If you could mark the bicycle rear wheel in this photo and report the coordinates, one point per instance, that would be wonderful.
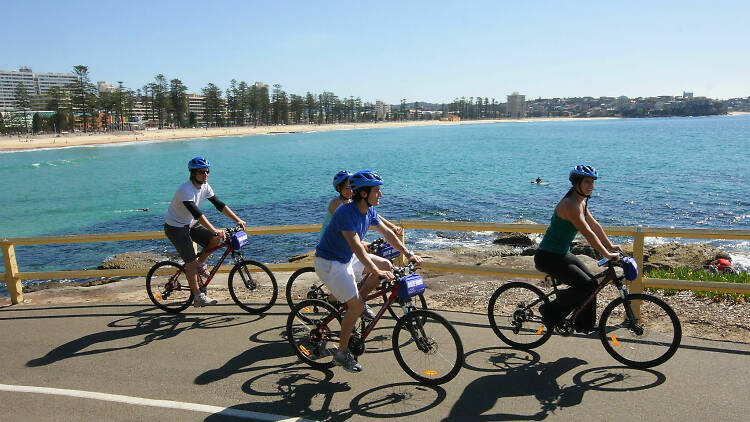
(514, 315)
(168, 288)
(305, 284)
(648, 342)
(312, 340)
(252, 286)
(427, 347)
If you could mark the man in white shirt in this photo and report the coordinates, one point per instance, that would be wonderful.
(185, 224)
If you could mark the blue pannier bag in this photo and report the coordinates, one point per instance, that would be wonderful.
(386, 251)
(411, 285)
(238, 240)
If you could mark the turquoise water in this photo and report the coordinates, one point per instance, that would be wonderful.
(681, 172)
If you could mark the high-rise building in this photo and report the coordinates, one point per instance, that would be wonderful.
(516, 106)
(382, 110)
(37, 85)
(196, 104)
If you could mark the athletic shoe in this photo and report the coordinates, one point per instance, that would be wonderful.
(324, 350)
(203, 270)
(203, 300)
(368, 313)
(347, 361)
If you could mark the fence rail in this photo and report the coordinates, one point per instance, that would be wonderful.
(13, 276)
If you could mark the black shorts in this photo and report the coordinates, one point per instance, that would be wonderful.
(183, 237)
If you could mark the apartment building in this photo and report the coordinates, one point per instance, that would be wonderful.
(516, 106)
(37, 85)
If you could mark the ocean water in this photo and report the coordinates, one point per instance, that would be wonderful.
(672, 172)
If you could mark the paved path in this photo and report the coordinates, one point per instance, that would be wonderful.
(131, 362)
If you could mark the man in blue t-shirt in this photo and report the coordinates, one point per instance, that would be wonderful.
(342, 261)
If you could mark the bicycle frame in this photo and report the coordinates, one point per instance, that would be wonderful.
(608, 275)
(225, 244)
(378, 293)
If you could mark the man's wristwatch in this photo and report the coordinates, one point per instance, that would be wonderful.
(408, 254)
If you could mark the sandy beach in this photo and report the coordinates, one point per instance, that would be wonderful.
(17, 143)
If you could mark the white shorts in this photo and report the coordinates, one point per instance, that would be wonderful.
(341, 279)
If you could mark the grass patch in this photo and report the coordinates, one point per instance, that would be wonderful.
(688, 274)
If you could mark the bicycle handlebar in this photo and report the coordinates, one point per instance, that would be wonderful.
(605, 261)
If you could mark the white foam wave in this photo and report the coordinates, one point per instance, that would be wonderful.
(741, 261)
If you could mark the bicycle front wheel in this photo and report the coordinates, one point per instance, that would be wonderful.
(427, 347)
(168, 288)
(313, 340)
(305, 284)
(646, 342)
(514, 315)
(252, 286)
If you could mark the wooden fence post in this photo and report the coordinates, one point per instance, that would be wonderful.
(637, 285)
(12, 282)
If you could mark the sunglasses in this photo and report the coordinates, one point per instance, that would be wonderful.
(206, 171)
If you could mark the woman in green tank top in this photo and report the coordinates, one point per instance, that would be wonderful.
(571, 215)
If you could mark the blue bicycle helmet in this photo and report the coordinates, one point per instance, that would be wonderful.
(630, 268)
(198, 163)
(364, 178)
(340, 177)
(583, 170)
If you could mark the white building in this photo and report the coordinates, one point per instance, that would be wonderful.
(382, 110)
(37, 85)
(516, 106)
(197, 104)
(103, 86)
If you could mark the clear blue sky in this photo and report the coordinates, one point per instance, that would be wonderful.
(418, 50)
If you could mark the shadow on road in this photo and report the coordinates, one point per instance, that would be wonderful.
(142, 327)
(521, 374)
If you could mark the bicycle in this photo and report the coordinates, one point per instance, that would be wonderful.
(638, 342)
(318, 290)
(168, 289)
(425, 344)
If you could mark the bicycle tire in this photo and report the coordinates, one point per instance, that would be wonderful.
(513, 320)
(427, 347)
(418, 302)
(655, 345)
(250, 291)
(310, 339)
(299, 275)
(161, 294)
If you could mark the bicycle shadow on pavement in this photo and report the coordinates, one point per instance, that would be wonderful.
(522, 376)
(145, 327)
(308, 393)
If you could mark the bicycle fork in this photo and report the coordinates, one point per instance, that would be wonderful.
(416, 329)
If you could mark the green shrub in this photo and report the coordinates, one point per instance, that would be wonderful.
(688, 274)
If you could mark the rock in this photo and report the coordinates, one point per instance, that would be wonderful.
(517, 239)
(455, 235)
(676, 255)
(131, 260)
(582, 247)
(304, 257)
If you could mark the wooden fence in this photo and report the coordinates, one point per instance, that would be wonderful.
(13, 276)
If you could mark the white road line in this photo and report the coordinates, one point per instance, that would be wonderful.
(148, 402)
